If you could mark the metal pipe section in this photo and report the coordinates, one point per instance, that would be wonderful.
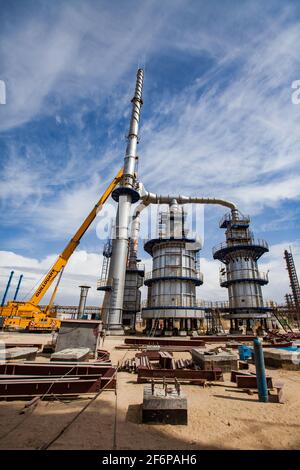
(151, 198)
(82, 300)
(135, 233)
(18, 287)
(260, 371)
(7, 288)
(125, 195)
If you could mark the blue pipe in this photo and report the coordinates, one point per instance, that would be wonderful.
(18, 287)
(260, 371)
(7, 287)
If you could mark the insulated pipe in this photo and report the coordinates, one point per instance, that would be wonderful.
(151, 198)
(260, 371)
(135, 232)
(125, 195)
(7, 288)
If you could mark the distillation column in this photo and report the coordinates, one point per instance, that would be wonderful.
(241, 276)
(171, 301)
(126, 195)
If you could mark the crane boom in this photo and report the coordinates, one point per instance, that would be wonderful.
(73, 243)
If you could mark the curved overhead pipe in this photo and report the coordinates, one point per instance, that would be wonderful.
(152, 198)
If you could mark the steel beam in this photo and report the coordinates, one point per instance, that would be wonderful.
(45, 369)
(250, 381)
(21, 388)
(213, 375)
(165, 342)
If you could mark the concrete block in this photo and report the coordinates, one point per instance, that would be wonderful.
(226, 361)
(275, 357)
(159, 407)
(12, 354)
(78, 334)
(71, 354)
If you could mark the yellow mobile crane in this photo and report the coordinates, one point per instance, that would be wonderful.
(29, 316)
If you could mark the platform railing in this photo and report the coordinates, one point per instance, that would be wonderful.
(108, 282)
(228, 218)
(241, 274)
(250, 242)
(176, 272)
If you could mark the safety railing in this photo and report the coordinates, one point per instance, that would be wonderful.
(101, 283)
(249, 242)
(228, 218)
(187, 273)
(181, 301)
(213, 305)
(241, 274)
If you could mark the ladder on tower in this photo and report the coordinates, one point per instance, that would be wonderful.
(154, 327)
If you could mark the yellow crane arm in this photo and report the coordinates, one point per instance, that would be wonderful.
(73, 243)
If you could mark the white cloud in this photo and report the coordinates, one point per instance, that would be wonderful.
(82, 268)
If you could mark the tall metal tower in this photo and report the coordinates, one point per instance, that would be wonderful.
(125, 195)
(171, 299)
(241, 276)
(294, 282)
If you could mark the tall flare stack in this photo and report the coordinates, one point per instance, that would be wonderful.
(126, 194)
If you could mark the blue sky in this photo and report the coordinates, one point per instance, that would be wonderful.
(217, 121)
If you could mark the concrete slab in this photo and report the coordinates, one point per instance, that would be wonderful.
(71, 354)
(282, 359)
(13, 354)
(206, 360)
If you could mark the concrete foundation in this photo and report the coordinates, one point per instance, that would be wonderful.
(206, 360)
(282, 359)
(164, 405)
(78, 334)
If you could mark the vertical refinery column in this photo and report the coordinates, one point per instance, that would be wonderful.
(241, 275)
(171, 299)
(125, 195)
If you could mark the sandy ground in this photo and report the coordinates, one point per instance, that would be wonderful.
(219, 417)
